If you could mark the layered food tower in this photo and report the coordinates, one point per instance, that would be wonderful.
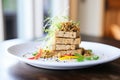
(67, 40)
(63, 42)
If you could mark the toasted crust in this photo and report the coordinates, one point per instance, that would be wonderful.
(72, 52)
(67, 41)
(64, 47)
(67, 34)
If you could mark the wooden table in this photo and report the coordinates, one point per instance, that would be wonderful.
(13, 69)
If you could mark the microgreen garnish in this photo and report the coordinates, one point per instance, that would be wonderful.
(95, 57)
(90, 50)
(34, 53)
(82, 57)
(88, 58)
(54, 24)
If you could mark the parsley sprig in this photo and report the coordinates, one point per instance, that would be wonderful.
(83, 58)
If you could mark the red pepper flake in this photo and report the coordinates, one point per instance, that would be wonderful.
(68, 54)
(39, 54)
(31, 58)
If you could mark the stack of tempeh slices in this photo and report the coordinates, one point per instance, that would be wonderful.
(67, 41)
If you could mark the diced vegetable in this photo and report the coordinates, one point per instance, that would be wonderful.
(38, 55)
(31, 58)
(68, 57)
(80, 57)
(77, 56)
(88, 58)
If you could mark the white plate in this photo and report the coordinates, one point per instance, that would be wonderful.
(106, 53)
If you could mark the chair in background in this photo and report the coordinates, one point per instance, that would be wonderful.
(115, 31)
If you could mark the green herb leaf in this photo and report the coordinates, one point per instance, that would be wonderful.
(80, 59)
(77, 54)
(88, 58)
(90, 50)
(95, 57)
(34, 53)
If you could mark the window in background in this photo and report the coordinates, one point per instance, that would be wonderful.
(10, 17)
(16, 11)
(24, 19)
(1, 23)
(29, 19)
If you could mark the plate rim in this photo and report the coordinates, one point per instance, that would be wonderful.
(72, 64)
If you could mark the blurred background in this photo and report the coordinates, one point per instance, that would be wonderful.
(24, 19)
